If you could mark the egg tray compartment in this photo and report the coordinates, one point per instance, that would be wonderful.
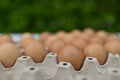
(26, 69)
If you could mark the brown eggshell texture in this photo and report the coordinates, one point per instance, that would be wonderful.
(113, 46)
(72, 55)
(36, 50)
(96, 50)
(9, 54)
(57, 46)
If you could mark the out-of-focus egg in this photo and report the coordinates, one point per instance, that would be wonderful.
(49, 40)
(80, 43)
(60, 34)
(96, 39)
(25, 42)
(8, 54)
(113, 37)
(25, 39)
(102, 34)
(26, 35)
(72, 55)
(44, 36)
(112, 46)
(5, 38)
(96, 50)
(76, 33)
(89, 32)
(68, 38)
(85, 37)
(36, 50)
(57, 45)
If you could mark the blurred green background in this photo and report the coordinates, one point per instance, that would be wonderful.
(54, 15)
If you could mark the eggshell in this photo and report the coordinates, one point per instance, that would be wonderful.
(26, 42)
(44, 36)
(102, 34)
(26, 35)
(68, 38)
(96, 39)
(49, 40)
(76, 33)
(89, 32)
(57, 45)
(8, 54)
(96, 50)
(85, 37)
(72, 55)
(113, 37)
(80, 43)
(112, 46)
(36, 50)
(60, 34)
(5, 39)
(25, 39)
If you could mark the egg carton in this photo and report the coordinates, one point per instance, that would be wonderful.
(26, 69)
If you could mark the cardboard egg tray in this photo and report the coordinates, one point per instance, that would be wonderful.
(49, 69)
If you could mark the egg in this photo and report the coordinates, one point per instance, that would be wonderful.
(113, 37)
(36, 50)
(68, 38)
(5, 38)
(57, 45)
(25, 39)
(76, 33)
(8, 54)
(49, 40)
(96, 50)
(97, 40)
(60, 34)
(26, 35)
(112, 46)
(102, 34)
(44, 36)
(80, 43)
(85, 37)
(72, 55)
(89, 32)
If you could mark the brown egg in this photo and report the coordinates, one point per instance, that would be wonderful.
(96, 50)
(44, 36)
(68, 38)
(76, 33)
(26, 35)
(57, 45)
(26, 42)
(85, 37)
(112, 46)
(80, 43)
(8, 54)
(102, 34)
(49, 40)
(25, 39)
(113, 37)
(36, 50)
(96, 39)
(5, 39)
(60, 34)
(72, 55)
(89, 32)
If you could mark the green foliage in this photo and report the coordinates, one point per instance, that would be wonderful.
(54, 15)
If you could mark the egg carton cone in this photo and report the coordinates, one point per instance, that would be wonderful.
(26, 69)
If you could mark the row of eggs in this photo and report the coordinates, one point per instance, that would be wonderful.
(71, 47)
